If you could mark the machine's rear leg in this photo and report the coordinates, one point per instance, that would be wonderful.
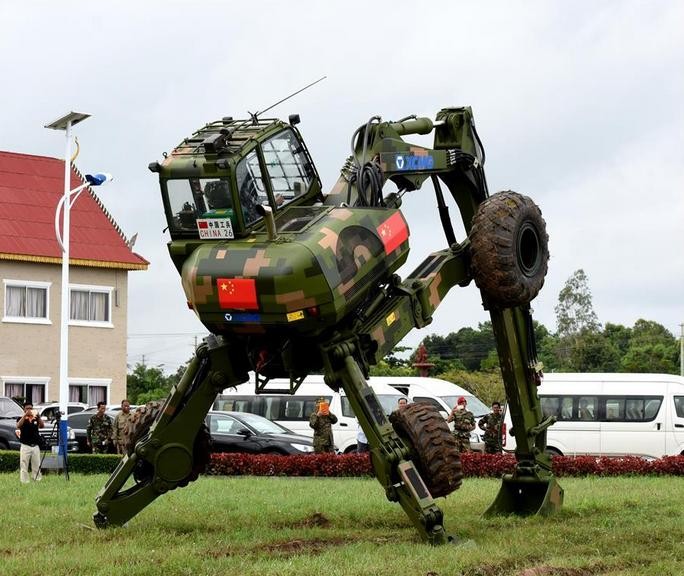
(176, 449)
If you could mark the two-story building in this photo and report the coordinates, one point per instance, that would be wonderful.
(30, 294)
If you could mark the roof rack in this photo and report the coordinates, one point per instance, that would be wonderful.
(225, 135)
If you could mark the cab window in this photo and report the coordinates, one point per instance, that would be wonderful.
(287, 165)
(207, 199)
(250, 185)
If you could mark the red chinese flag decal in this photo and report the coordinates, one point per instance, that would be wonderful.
(393, 232)
(237, 293)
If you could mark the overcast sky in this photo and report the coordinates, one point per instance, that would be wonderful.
(580, 105)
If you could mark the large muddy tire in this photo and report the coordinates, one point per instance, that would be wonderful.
(509, 249)
(139, 425)
(433, 447)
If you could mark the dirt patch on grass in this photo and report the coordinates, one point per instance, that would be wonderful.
(289, 548)
(308, 547)
(543, 570)
(555, 571)
(316, 520)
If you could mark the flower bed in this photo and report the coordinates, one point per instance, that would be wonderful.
(474, 465)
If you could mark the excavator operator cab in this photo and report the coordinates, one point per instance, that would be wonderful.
(212, 190)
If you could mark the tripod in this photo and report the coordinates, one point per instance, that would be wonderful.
(55, 435)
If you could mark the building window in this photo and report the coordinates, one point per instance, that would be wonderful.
(26, 302)
(89, 392)
(25, 389)
(91, 305)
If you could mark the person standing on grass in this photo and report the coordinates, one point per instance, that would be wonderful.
(121, 420)
(321, 421)
(29, 437)
(464, 424)
(99, 430)
(491, 424)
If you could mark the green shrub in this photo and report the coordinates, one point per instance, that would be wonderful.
(9, 460)
(78, 463)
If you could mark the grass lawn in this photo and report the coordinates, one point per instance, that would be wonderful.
(327, 526)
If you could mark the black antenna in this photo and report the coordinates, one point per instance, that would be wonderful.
(256, 114)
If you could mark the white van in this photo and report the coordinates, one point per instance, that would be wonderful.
(443, 395)
(293, 411)
(440, 393)
(613, 414)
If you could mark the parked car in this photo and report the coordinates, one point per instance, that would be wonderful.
(78, 422)
(48, 410)
(252, 434)
(10, 412)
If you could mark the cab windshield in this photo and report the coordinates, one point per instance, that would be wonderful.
(201, 205)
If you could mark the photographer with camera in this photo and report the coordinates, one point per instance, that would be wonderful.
(99, 430)
(29, 437)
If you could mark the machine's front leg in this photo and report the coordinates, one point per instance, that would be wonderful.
(176, 449)
(396, 463)
(532, 488)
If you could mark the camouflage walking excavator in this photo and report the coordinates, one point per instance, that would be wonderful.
(290, 281)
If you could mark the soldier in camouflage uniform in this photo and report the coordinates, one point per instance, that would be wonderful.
(120, 422)
(491, 424)
(321, 421)
(99, 430)
(464, 424)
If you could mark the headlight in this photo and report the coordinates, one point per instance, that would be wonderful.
(302, 447)
(71, 435)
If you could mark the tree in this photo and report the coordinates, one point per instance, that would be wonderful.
(594, 353)
(147, 383)
(619, 336)
(575, 321)
(468, 345)
(487, 386)
(575, 310)
(652, 348)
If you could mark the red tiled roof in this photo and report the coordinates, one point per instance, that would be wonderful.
(30, 188)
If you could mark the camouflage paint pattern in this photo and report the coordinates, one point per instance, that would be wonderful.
(307, 280)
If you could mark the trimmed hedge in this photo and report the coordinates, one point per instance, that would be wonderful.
(474, 465)
(297, 465)
(331, 465)
(78, 463)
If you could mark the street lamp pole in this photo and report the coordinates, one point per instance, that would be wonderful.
(66, 123)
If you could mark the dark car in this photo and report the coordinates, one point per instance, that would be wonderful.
(79, 423)
(10, 412)
(252, 434)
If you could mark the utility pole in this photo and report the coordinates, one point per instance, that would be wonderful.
(681, 350)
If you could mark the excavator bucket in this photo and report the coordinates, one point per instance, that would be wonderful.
(527, 496)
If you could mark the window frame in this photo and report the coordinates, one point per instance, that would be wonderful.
(97, 289)
(90, 383)
(301, 160)
(43, 381)
(27, 284)
(602, 404)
